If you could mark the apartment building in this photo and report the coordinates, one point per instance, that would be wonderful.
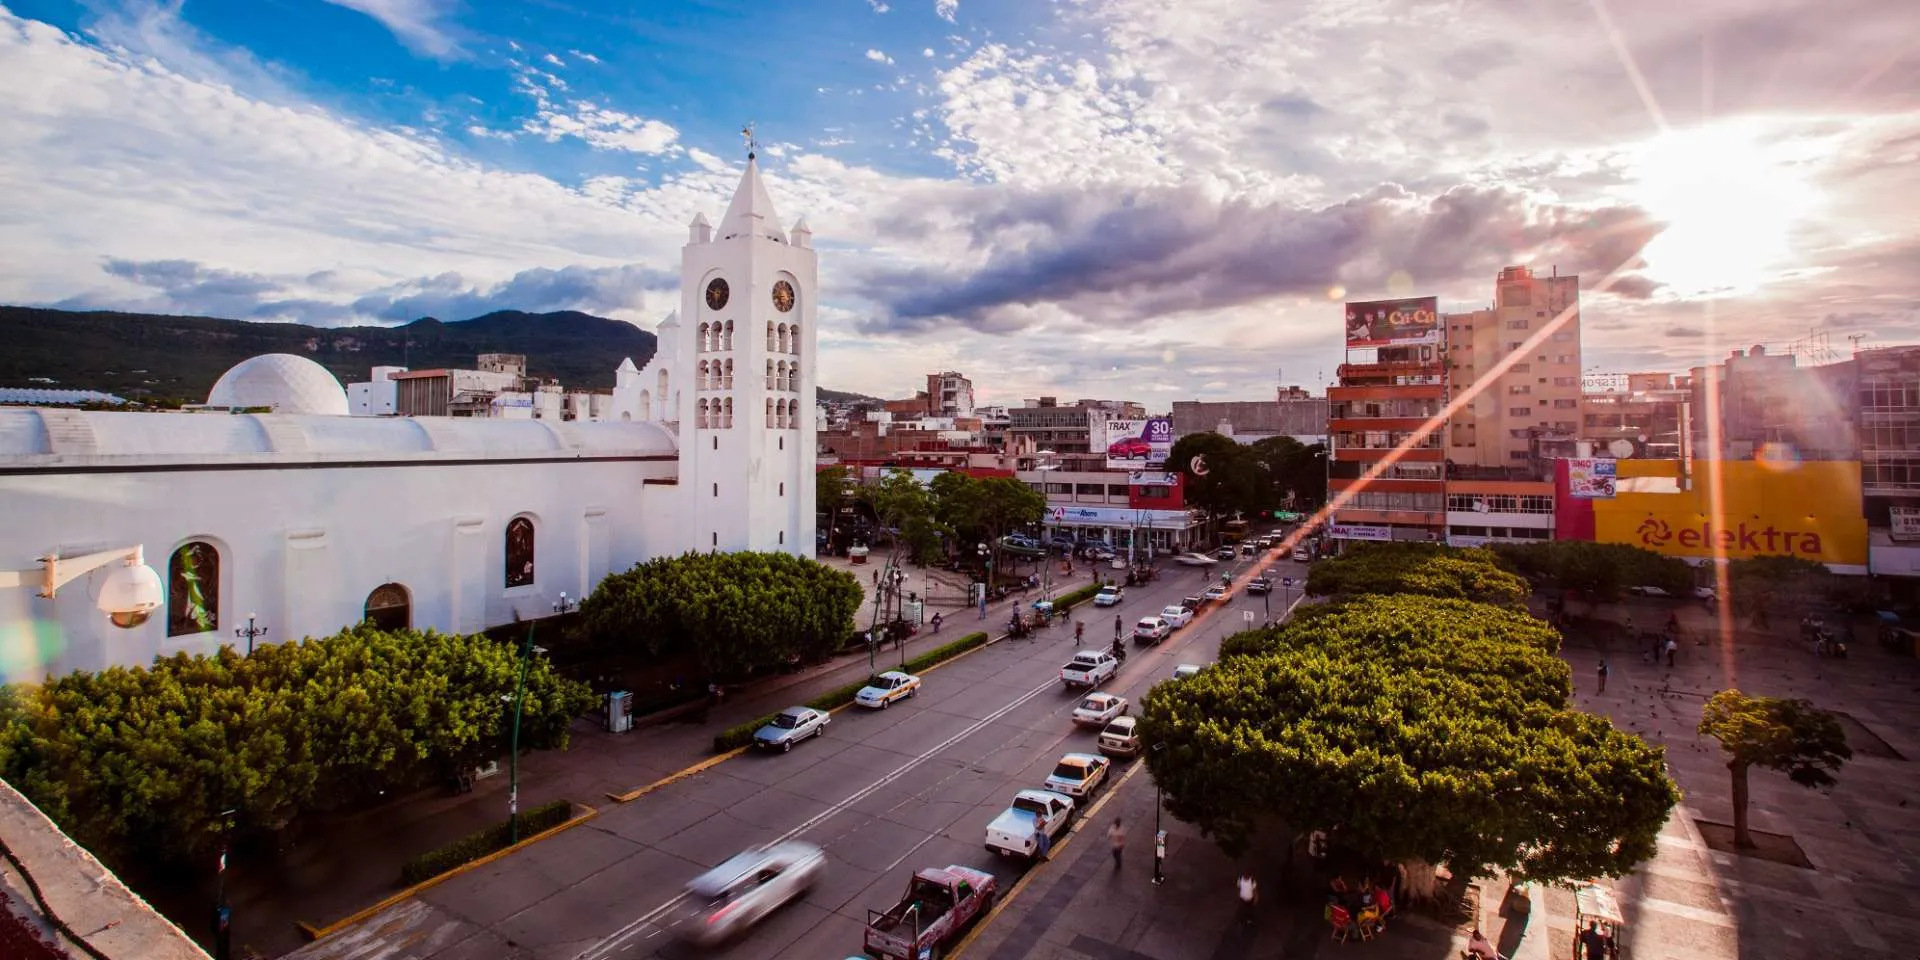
(1635, 415)
(1049, 425)
(949, 395)
(1293, 412)
(1528, 413)
(1761, 404)
(1393, 383)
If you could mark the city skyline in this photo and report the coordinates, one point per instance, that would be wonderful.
(1049, 199)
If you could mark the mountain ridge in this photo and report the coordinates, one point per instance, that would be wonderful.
(145, 355)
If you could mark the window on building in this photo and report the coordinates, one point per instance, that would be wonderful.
(1566, 403)
(1566, 381)
(1059, 489)
(1513, 345)
(1116, 489)
(519, 552)
(1520, 434)
(1565, 425)
(1563, 358)
(1089, 489)
(1156, 492)
(1563, 336)
(1519, 412)
(1521, 368)
(193, 589)
(1516, 454)
(1516, 324)
(1519, 389)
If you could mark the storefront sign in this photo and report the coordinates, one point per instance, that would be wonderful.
(1903, 523)
(1463, 542)
(1353, 531)
(1119, 517)
(1811, 510)
(1152, 478)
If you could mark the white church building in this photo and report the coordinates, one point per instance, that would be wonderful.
(306, 520)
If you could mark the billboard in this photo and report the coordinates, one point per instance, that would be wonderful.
(1812, 511)
(1138, 444)
(1356, 531)
(1591, 479)
(1392, 323)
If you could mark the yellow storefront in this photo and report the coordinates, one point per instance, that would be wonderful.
(1808, 510)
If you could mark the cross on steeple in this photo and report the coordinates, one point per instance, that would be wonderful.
(746, 134)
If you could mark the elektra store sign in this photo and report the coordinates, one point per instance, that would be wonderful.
(1354, 531)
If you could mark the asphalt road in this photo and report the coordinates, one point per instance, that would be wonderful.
(883, 792)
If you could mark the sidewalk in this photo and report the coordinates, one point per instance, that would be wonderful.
(1859, 898)
(343, 865)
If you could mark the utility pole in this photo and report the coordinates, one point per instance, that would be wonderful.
(223, 914)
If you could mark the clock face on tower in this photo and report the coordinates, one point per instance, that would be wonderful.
(783, 296)
(716, 294)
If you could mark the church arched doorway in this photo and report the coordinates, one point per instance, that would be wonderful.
(390, 607)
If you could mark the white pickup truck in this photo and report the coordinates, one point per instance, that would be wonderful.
(1089, 668)
(1032, 811)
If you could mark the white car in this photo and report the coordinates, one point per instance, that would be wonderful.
(1152, 630)
(884, 689)
(1215, 592)
(1195, 560)
(1120, 738)
(1186, 670)
(1108, 596)
(1078, 775)
(1302, 555)
(1098, 708)
(1176, 616)
(737, 894)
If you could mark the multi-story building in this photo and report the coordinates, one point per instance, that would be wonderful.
(1292, 413)
(1888, 419)
(1635, 415)
(1067, 429)
(1393, 384)
(1142, 511)
(949, 395)
(1763, 405)
(1535, 400)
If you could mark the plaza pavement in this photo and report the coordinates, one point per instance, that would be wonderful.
(348, 863)
(1858, 901)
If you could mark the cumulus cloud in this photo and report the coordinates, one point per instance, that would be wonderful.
(603, 129)
(878, 56)
(878, 7)
(945, 9)
(417, 23)
(556, 61)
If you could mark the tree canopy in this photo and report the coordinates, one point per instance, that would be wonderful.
(982, 510)
(1600, 569)
(1293, 469)
(734, 612)
(138, 763)
(1427, 569)
(1229, 479)
(1791, 736)
(1409, 727)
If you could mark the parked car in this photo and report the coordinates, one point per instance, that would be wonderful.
(1121, 738)
(1011, 833)
(1152, 630)
(790, 726)
(1089, 668)
(1186, 670)
(1249, 549)
(725, 901)
(1259, 585)
(1195, 602)
(1302, 555)
(1224, 553)
(938, 905)
(1195, 560)
(1176, 616)
(1216, 592)
(1109, 596)
(1078, 775)
(884, 689)
(1098, 708)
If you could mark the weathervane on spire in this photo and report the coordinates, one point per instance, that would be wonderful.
(746, 134)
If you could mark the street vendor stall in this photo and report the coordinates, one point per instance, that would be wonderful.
(1596, 907)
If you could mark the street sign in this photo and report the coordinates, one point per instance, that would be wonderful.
(1246, 615)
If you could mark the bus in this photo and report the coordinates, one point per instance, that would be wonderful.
(1233, 531)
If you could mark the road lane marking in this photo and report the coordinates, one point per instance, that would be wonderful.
(620, 937)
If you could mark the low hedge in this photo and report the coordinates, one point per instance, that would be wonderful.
(476, 845)
(742, 734)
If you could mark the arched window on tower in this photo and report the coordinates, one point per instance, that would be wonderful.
(793, 414)
(771, 342)
(793, 339)
(793, 376)
(700, 418)
(706, 331)
(666, 411)
(771, 422)
(769, 374)
(779, 415)
(783, 338)
(726, 379)
(193, 589)
(706, 376)
(727, 341)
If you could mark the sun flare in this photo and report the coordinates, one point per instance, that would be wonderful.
(1729, 202)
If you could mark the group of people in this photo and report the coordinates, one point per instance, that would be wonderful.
(1358, 909)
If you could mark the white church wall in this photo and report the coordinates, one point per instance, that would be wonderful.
(304, 548)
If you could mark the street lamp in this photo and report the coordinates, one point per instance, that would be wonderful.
(527, 650)
(986, 558)
(1159, 835)
(251, 632)
(128, 596)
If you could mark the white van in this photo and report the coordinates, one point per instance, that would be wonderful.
(1302, 554)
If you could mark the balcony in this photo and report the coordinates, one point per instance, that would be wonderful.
(1385, 391)
(1375, 454)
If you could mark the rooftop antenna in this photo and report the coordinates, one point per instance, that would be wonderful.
(1855, 338)
(746, 134)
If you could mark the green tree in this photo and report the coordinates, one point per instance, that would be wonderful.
(1411, 729)
(831, 486)
(1601, 570)
(1791, 736)
(734, 612)
(982, 510)
(1428, 569)
(905, 505)
(1227, 480)
(1291, 469)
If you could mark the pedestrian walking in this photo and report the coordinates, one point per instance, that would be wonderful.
(1249, 895)
(1042, 844)
(1671, 648)
(936, 623)
(1117, 835)
(1116, 628)
(1603, 676)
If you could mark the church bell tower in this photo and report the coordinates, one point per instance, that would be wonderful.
(747, 309)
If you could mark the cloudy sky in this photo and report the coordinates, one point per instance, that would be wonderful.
(1149, 199)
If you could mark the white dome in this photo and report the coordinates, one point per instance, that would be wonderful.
(282, 383)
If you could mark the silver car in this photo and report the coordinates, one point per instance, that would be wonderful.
(725, 901)
(790, 726)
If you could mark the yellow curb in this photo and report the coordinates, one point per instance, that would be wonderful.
(314, 933)
(1021, 884)
(718, 759)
